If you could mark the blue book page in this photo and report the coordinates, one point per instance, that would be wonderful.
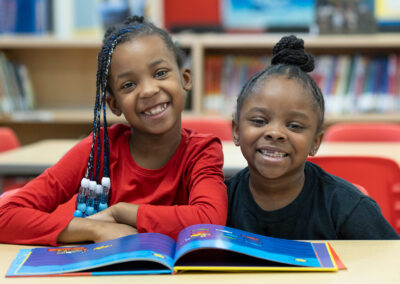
(212, 237)
(132, 254)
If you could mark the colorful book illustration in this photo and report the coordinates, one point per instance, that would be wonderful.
(201, 247)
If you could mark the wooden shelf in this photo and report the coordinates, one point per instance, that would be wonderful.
(21, 42)
(323, 41)
(63, 74)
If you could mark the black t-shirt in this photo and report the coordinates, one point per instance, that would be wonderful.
(327, 208)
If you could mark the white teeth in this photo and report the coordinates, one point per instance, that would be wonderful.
(274, 154)
(156, 110)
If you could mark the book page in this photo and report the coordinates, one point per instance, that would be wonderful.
(133, 251)
(213, 237)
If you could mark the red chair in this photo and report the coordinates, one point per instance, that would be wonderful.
(379, 176)
(222, 128)
(9, 141)
(361, 188)
(363, 132)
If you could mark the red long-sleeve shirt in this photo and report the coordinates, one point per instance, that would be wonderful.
(188, 190)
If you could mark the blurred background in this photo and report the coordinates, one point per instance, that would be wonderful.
(48, 55)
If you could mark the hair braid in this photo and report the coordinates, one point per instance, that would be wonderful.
(134, 26)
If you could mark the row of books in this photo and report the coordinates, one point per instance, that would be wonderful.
(25, 17)
(16, 91)
(67, 18)
(224, 76)
(359, 84)
(350, 83)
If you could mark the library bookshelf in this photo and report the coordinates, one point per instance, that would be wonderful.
(63, 75)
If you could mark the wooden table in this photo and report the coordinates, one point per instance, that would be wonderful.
(367, 262)
(33, 159)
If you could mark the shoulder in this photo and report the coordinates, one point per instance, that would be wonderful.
(118, 130)
(332, 185)
(116, 133)
(236, 182)
(339, 196)
(196, 142)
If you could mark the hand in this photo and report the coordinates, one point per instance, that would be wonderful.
(89, 230)
(123, 213)
(105, 215)
(111, 231)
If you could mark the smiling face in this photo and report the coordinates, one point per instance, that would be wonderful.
(147, 86)
(277, 129)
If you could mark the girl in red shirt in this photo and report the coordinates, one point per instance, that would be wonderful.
(163, 178)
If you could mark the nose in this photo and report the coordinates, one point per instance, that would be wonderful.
(275, 133)
(149, 88)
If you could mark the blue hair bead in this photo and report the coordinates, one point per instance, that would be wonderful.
(103, 206)
(90, 211)
(81, 207)
(78, 213)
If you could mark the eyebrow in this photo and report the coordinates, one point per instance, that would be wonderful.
(258, 109)
(293, 113)
(151, 65)
(299, 114)
(156, 62)
(124, 74)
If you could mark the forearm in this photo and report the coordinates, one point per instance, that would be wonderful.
(89, 230)
(170, 220)
(80, 230)
(125, 213)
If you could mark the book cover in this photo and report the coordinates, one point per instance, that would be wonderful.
(202, 247)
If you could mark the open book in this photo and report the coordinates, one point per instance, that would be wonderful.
(201, 247)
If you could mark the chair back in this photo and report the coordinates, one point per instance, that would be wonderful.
(220, 127)
(379, 176)
(363, 132)
(8, 139)
(361, 188)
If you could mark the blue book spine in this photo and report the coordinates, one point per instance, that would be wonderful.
(32, 16)
(8, 16)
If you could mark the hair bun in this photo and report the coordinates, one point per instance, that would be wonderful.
(134, 19)
(290, 51)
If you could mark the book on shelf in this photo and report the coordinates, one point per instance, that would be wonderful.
(359, 84)
(201, 247)
(74, 18)
(350, 83)
(224, 76)
(16, 91)
(25, 17)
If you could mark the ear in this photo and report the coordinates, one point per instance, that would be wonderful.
(317, 142)
(187, 79)
(113, 104)
(235, 133)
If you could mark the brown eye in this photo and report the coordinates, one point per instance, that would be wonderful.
(295, 126)
(128, 85)
(161, 73)
(258, 121)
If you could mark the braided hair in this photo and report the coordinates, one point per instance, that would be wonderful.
(132, 27)
(289, 59)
